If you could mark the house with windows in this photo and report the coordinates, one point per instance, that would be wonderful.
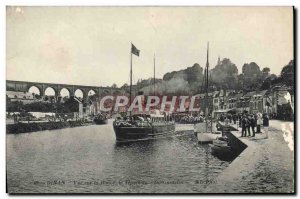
(258, 101)
(245, 102)
(235, 100)
(276, 100)
(279, 100)
(203, 103)
(222, 102)
(216, 102)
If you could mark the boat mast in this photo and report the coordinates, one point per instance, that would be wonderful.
(206, 89)
(130, 79)
(154, 76)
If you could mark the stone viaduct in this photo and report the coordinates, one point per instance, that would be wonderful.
(24, 86)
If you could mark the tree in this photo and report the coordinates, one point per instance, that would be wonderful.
(71, 105)
(266, 70)
(265, 73)
(114, 85)
(252, 76)
(287, 74)
(251, 70)
(225, 74)
(240, 82)
(267, 83)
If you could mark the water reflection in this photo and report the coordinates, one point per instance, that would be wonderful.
(90, 155)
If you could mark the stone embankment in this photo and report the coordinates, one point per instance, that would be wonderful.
(265, 166)
(41, 126)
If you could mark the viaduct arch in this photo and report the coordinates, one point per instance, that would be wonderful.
(24, 86)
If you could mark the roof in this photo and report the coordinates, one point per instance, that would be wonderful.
(250, 94)
(202, 95)
(238, 95)
(262, 93)
(18, 94)
(216, 93)
(223, 111)
(154, 115)
(284, 88)
(222, 93)
(231, 94)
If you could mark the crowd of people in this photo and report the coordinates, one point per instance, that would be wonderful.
(191, 119)
(248, 122)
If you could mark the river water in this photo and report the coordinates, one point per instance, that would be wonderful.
(88, 160)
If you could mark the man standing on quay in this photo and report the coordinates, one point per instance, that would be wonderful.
(259, 122)
(245, 125)
(252, 124)
(266, 124)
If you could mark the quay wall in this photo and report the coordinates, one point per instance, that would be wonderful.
(265, 166)
(32, 127)
(234, 142)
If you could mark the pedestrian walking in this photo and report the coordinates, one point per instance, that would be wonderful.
(252, 124)
(259, 122)
(222, 118)
(249, 125)
(234, 117)
(15, 118)
(245, 124)
(226, 121)
(229, 117)
(266, 125)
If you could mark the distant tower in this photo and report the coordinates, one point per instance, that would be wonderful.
(219, 61)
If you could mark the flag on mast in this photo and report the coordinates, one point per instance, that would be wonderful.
(134, 50)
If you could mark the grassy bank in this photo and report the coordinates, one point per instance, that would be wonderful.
(31, 127)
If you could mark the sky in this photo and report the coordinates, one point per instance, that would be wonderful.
(91, 45)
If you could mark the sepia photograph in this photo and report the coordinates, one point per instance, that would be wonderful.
(150, 100)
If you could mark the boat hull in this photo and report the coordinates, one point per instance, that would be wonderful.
(136, 133)
(201, 127)
(221, 151)
(220, 143)
(204, 138)
(100, 122)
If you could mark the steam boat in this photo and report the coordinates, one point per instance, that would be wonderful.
(145, 126)
(100, 119)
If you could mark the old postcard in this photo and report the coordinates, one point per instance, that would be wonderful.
(159, 100)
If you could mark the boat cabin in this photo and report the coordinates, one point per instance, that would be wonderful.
(154, 118)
